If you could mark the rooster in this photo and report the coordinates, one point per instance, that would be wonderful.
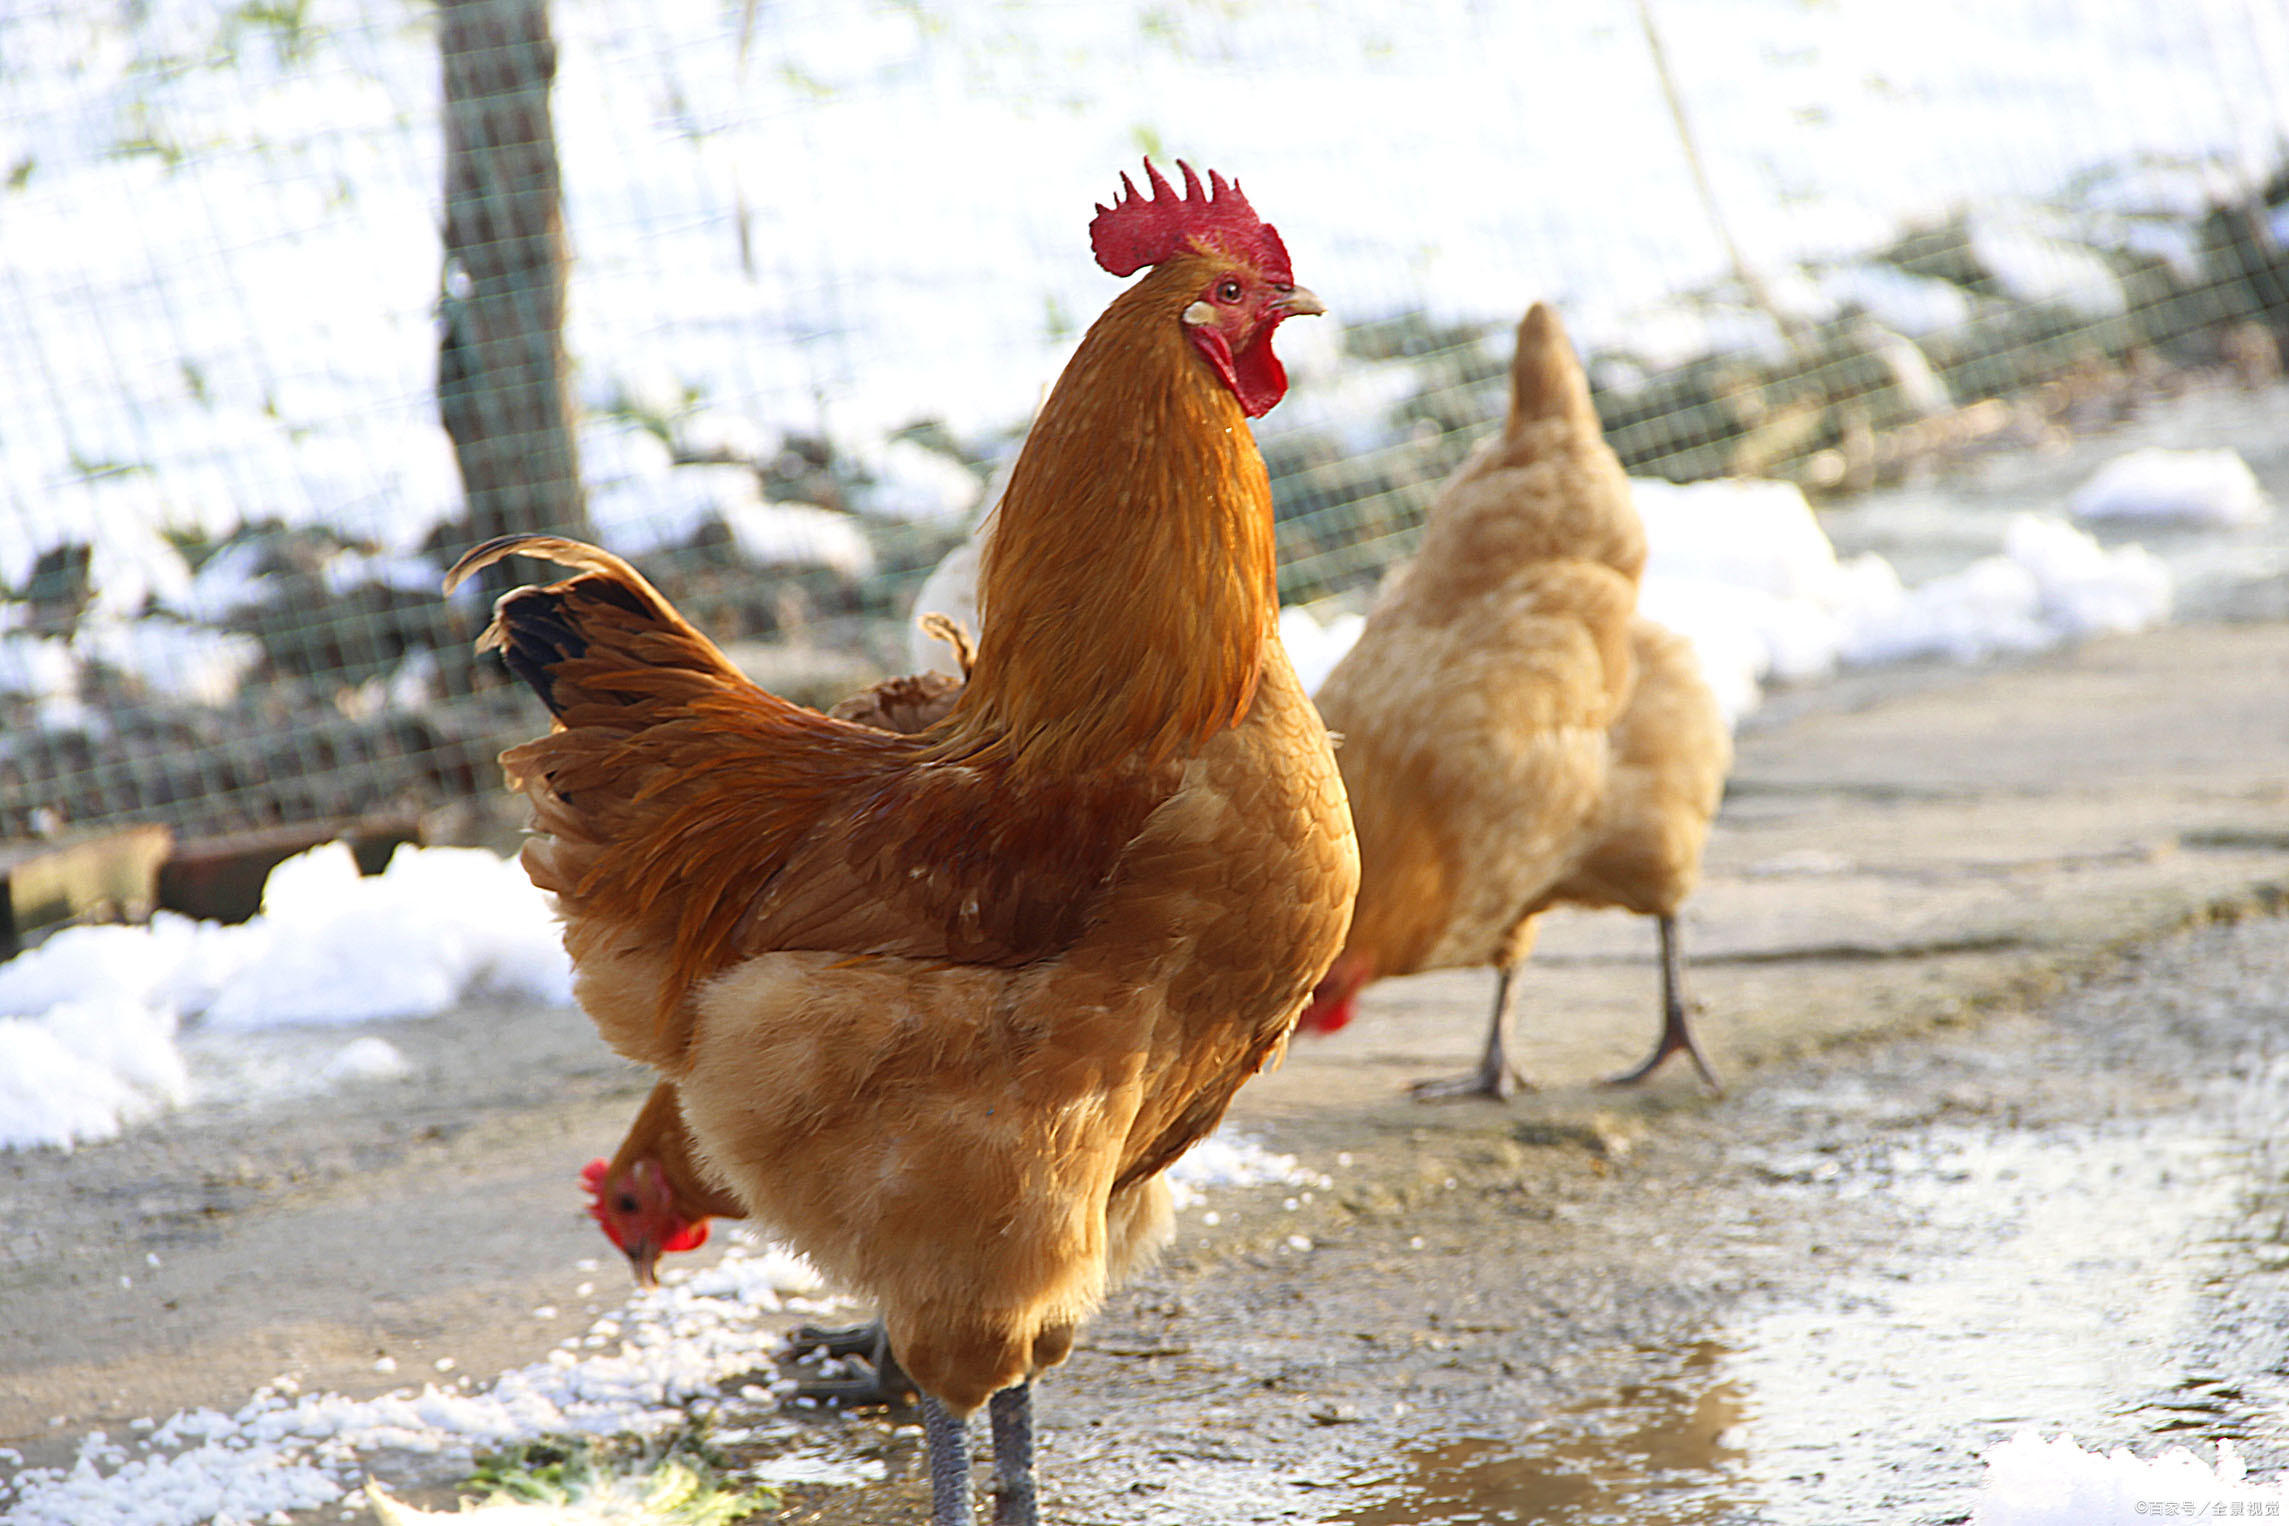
(1513, 734)
(940, 1009)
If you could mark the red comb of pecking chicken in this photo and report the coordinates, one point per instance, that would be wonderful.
(1136, 231)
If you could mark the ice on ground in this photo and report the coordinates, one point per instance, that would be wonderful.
(2197, 488)
(89, 1018)
(2033, 1482)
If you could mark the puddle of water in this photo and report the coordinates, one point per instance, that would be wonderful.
(2048, 1279)
(2060, 1279)
(1658, 1454)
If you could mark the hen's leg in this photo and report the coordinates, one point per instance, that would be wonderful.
(885, 1382)
(949, 1465)
(1014, 1494)
(1495, 1076)
(1676, 1018)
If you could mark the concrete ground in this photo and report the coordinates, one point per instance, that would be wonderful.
(1903, 859)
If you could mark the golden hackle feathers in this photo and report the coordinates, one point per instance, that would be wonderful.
(1132, 560)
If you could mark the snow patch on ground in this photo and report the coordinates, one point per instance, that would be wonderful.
(2033, 1482)
(89, 1019)
(1223, 1160)
(287, 1450)
(2206, 489)
(1744, 571)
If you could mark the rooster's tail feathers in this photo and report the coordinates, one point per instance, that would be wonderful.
(540, 629)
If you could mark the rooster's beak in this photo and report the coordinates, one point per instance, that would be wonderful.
(644, 1261)
(1299, 303)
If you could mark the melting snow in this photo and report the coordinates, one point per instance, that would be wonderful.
(285, 1450)
(2201, 488)
(2033, 1482)
(1744, 571)
(89, 1018)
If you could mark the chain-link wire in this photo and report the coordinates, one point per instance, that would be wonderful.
(300, 298)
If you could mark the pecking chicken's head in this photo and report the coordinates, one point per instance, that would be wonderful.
(1331, 1005)
(1245, 287)
(639, 1213)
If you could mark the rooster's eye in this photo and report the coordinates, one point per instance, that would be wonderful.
(1228, 290)
(626, 1202)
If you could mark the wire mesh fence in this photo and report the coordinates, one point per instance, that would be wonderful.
(299, 298)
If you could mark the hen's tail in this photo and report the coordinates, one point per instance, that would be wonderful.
(606, 637)
(1546, 380)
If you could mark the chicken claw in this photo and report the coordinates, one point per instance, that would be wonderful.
(884, 1382)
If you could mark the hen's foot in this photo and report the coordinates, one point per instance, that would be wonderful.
(882, 1380)
(1679, 1040)
(1497, 1083)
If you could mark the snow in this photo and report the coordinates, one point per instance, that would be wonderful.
(1230, 1160)
(799, 534)
(223, 255)
(367, 1059)
(2033, 1482)
(90, 1019)
(2050, 584)
(1743, 570)
(2202, 488)
(1317, 639)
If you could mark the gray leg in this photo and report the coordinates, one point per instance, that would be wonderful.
(949, 1465)
(1015, 1502)
(1676, 1018)
(1495, 1076)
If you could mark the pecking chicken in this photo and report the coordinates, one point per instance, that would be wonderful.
(940, 1009)
(653, 1197)
(1513, 735)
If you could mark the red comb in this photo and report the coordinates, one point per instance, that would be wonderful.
(1136, 231)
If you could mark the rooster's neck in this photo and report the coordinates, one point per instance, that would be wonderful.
(1129, 585)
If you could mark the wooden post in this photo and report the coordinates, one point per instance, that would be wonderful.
(503, 386)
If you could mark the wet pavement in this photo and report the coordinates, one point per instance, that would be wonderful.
(1992, 960)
